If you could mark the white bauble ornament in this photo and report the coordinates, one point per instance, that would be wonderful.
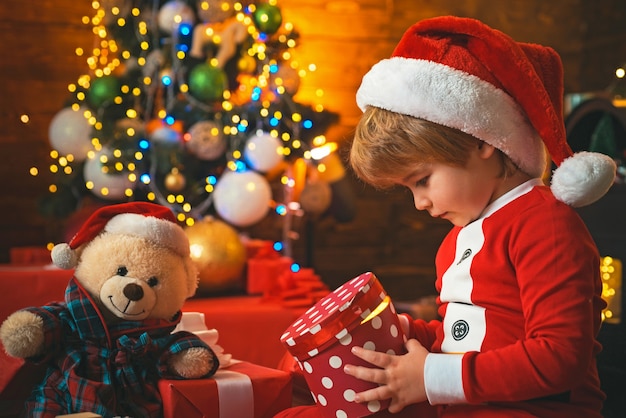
(109, 186)
(173, 13)
(263, 151)
(70, 133)
(242, 198)
(205, 140)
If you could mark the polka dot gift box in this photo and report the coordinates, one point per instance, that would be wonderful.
(357, 313)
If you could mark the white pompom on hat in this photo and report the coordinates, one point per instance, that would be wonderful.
(153, 222)
(460, 73)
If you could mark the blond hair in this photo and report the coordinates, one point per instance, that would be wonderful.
(387, 145)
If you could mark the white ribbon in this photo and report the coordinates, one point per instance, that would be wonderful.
(235, 394)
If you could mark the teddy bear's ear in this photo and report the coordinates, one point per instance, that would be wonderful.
(192, 277)
(64, 257)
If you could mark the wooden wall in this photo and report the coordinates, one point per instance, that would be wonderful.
(37, 44)
(343, 38)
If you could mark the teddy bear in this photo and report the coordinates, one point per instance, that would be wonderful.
(105, 347)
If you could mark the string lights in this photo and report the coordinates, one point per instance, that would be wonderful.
(611, 273)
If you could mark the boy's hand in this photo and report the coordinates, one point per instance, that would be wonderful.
(400, 378)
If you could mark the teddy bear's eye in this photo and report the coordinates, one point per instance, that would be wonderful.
(122, 271)
(153, 281)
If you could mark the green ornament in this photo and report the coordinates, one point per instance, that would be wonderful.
(103, 90)
(267, 18)
(207, 82)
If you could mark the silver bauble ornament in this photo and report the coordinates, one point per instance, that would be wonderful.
(205, 140)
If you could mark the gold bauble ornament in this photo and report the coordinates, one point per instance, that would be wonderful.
(219, 255)
(175, 181)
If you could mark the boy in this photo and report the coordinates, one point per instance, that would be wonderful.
(461, 115)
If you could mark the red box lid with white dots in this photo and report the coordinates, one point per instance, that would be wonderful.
(357, 313)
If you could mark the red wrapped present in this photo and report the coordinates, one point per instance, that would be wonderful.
(31, 256)
(357, 313)
(241, 390)
(264, 269)
(297, 289)
(254, 246)
(25, 286)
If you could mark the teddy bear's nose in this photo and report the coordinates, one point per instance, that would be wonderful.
(133, 291)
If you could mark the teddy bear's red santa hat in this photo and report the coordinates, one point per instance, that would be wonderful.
(153, 222)
(460, 73)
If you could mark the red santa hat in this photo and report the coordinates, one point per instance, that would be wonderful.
(153, 222)
(460, 73)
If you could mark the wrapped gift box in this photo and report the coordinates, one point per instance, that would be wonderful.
(264, 270)
(30, 256)
(358, 313)
(25, 286)
(241, 390)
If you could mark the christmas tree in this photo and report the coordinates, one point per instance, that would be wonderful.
(191, 104)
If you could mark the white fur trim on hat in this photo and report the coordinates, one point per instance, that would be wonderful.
(453, 98)
(159, 231)
(583, 178)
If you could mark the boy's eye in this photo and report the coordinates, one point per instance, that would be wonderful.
(422, 181)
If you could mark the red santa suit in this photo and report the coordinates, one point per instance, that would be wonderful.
(521, 307)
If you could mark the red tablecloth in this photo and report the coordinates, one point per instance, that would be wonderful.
(249, 327)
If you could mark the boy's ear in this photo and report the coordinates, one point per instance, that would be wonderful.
(485, 150)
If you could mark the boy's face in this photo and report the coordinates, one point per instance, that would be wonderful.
(457, 194)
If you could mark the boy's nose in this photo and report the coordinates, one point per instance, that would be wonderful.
(421, 202)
